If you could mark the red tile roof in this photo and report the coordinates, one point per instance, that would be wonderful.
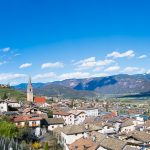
(23, 118)
(62, 113)
(83, 143)
(39, 100)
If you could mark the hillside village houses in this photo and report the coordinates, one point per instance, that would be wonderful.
(71, 117)
(84, 127)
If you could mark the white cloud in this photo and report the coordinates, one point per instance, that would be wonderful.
(6, 49)
(112, 69)
(104, 62)
(74, 75)
(86, 63)
(10, 76)
(13, 83)
(80, 75)
(3, 62)
(142, 56)
(25, 65)
(148, 72)
(17, 54)
(100, 75)
(90, 59)
(49, 75)
(129, 54)
(91, 62)
(97, 69)
(133, 70)
(52, 65)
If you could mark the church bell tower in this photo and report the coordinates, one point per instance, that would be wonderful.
(29, 91)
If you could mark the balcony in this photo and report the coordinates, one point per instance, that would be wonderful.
(34, 125)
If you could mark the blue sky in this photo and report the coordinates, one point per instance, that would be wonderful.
(56, 40)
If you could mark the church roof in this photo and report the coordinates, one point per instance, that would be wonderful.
(39, 100)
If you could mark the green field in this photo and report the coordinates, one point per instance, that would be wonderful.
(12, 94)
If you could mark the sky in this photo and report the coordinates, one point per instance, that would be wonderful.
(56, 40)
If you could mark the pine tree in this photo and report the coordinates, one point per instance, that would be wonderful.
(46, 146)
(4, 96)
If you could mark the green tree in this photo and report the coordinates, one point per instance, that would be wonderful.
(50, 114)
(4, 96)
(46, 146)
(7, 129)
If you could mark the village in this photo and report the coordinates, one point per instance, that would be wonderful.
(67, 124)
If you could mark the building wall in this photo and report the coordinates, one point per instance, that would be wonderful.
(52, 127)
(107, 130)
(14, 105)
(69, 120)
(37, 123)
(69, 139)
(101, 148)
(3, 107)
(30, 96)
(91, 112)
(128, 129)
(80, 118)
(20, 124)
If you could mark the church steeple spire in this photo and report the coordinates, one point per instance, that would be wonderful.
(29, 90)
(29, 82)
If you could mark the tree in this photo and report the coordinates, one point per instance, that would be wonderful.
(4, 96)
(50, 114)
(46, 146)
(8, 130)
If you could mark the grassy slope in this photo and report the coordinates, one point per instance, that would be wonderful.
(13, 94)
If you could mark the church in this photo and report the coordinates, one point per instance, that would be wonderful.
(30, 96)
(30, 91)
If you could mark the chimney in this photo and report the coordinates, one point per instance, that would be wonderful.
(94, 138)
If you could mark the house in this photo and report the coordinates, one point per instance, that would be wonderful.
(112, 144)
(97, 137)
(31, 110)
(27, 120)
(89, 111)
(82, 143)
(147, 125)
(128, 125)
(57, 133)
(79, 116)
(54, 123)
(139, 139)
(69, 118)
(109, 129)
(70, 134)
(14, 104)
(3, 106)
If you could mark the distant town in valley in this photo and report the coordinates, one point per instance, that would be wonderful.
(56, 122)
(74, 74)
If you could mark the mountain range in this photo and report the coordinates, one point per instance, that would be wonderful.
(117, 85)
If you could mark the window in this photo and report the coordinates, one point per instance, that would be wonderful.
(33, 123)
(19, 123)
(76, 147)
